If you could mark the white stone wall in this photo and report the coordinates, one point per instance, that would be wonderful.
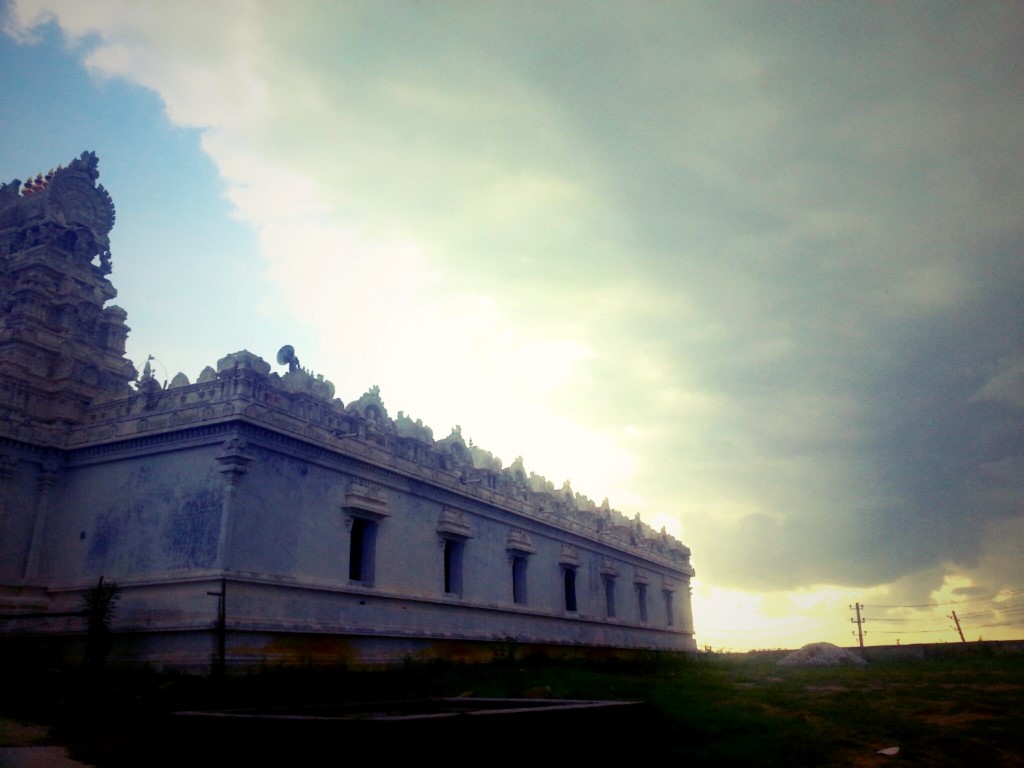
(150, 516)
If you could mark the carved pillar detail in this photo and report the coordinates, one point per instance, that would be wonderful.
(7, 464)
(234, 463)
(46, 481)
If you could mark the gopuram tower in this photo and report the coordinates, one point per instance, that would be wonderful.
(61, 348)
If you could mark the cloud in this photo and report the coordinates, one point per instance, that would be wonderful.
(1006, 385)
(755, 269)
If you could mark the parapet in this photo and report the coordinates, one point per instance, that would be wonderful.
(302, 404)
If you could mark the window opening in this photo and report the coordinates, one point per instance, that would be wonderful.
(453, 567)
(569, 580)
(641, 602)
(361, 550)
(519, 579)
(609, 597)
(668, 608)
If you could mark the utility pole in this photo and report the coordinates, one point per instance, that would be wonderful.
(221, 625)
(954, 618)
(858, 621)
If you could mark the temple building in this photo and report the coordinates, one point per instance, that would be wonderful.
(251, 517)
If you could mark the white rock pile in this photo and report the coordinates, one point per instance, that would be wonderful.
(820, 655)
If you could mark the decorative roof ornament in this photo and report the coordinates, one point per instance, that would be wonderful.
(371, 407)
(66, 204)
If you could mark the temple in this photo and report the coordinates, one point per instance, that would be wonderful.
(251, 517)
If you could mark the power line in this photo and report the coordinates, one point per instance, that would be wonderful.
(952, 602)
(932, 619)
(911, 631)
(999, 624)
(991, 611)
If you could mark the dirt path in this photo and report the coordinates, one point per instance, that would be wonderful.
(27, 745)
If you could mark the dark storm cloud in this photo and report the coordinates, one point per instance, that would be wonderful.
(788, 236)
(851, 255)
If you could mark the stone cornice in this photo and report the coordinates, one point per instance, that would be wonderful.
(248, 399)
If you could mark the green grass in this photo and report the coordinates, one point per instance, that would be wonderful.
(704, 710)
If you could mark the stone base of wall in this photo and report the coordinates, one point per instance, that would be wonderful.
(196, 652)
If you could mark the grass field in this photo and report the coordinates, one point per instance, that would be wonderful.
(706, 710)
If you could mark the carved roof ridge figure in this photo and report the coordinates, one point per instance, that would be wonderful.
(371, 407)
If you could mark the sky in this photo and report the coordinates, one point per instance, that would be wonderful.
(751, 270)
